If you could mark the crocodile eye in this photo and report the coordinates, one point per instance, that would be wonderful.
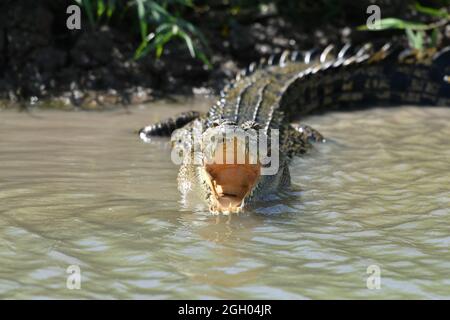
(251, 125)
(256, 126)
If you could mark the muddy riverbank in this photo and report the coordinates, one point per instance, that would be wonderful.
(42, 63)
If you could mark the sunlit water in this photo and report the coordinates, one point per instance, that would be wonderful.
(81, 189)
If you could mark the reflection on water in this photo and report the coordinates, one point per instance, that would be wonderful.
(81, 189)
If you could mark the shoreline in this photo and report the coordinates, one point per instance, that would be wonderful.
(45, 64)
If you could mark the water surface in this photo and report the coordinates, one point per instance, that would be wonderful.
(79, 188)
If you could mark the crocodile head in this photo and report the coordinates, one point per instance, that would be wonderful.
(233, 170)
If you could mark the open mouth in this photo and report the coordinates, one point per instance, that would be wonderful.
(231, 183)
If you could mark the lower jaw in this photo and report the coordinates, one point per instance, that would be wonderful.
(230, 184)
(226, 205)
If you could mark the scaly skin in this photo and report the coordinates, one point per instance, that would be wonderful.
(272, 96)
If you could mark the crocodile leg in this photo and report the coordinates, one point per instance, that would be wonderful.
(297, 140)
(166, 127)
(309, 134)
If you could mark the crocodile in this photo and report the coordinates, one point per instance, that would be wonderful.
(269, 96)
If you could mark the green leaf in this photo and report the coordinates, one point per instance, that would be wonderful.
(204, 59)
(158, 12)
(188, 41)
(142, 18)
(89, 11)
(164, 28)
(393, 23)
(101, 8)
(159, 51)
(167, 26)
(441, 13)
(111, 8)
(142, 50)
(415, 38)
(434, 38)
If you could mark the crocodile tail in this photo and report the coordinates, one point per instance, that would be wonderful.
(366, 76)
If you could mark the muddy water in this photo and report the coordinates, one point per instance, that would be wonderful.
(81, 189)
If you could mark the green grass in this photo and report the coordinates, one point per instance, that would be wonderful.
(159, 22)
(417, 32)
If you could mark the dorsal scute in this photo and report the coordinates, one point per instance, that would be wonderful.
(257, 93)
